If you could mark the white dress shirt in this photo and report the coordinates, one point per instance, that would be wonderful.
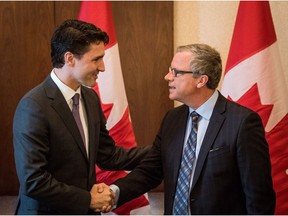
(68, 94)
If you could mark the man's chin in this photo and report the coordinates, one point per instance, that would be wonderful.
(172, 97)
(89, 85)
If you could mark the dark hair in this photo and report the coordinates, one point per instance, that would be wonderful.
(205, 60)
(74, 36)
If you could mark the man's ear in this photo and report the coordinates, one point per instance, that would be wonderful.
(69, 58)
(203, 79)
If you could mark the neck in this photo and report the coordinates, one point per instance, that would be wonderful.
(65, 77)
(200, 98)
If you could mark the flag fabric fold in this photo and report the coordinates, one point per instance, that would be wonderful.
(254, 78)
(110, 88)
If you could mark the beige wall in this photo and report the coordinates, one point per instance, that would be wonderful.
(212, 22)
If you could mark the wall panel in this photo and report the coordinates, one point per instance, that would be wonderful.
(145, 37)
(24, 41)
(66, 10)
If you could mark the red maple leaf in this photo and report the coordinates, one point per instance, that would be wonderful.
(251, 100)
(122, 132)
(277, 140)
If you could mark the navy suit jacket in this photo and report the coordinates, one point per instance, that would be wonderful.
(233, 170)
(54, 171)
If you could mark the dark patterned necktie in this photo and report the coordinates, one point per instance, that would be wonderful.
(76, 114)
(181, 202)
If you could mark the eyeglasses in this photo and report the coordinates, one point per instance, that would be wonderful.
(176, 73)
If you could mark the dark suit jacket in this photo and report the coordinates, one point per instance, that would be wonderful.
(54, 171)
(233, 170)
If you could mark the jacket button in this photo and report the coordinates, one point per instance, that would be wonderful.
(192, 200)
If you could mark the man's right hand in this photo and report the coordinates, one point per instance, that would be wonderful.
(102, 198)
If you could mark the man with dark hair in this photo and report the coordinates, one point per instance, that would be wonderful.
(60, 131)
(211, 152)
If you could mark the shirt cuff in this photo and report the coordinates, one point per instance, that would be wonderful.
(116, 191)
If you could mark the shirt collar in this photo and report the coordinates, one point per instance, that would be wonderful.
(67, 92)
(206, 109)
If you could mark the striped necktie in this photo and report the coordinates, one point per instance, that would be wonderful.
(181, 202)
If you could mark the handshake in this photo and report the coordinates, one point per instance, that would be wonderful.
(102, 198)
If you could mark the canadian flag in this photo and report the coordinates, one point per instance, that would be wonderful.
(254, 78)
(114, 103)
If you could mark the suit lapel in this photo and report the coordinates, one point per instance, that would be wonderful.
(177, 143)
(213, 129)
(91, 118)
(60, 105)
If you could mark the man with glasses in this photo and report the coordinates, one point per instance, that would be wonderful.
(211, 152)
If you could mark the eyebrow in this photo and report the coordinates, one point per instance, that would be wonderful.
(98, 57)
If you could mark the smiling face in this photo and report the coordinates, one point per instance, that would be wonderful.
(183, 87)
(85, 70)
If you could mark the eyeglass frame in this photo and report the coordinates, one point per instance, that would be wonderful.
(175, 72)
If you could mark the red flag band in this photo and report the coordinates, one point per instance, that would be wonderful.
(254, 78)
(111, 90)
